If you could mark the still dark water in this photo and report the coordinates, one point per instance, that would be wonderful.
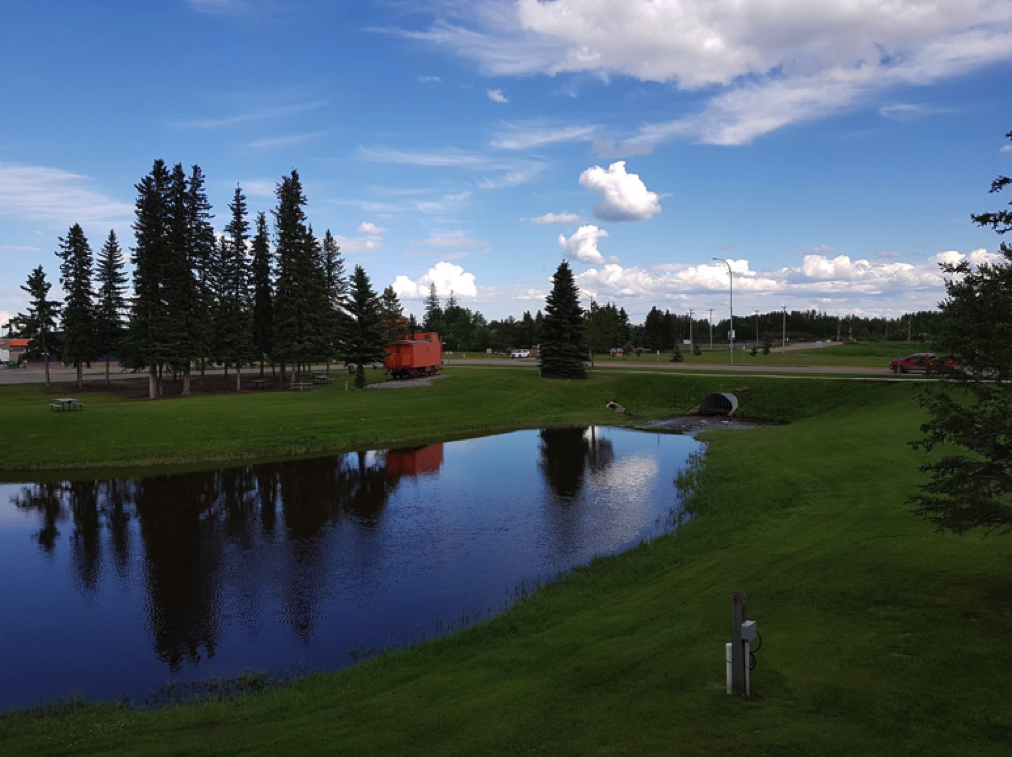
(112, 587)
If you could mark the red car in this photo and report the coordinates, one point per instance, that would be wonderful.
(925, 362)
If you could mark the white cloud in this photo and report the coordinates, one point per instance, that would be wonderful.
(910, 111)
(433, 79)
(496, 96)
(434, 158)
(258, 187)
(446, 203)
(840, 281)
(443, 238)
(355, 245)
(37, 193)
(513, 177)
(253, 114)
(18, 248)
(447, 277)
(582, 245)
(1006, 148)
(547, 218)
(270, 143)
(780, 62)
(526, 136)
(624, 195)
(367, 227)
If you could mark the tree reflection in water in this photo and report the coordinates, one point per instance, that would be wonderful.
(566, 456)
(191, 525)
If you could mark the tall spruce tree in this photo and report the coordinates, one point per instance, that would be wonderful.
(391, 316)
(149, 328)
(236, 322)
(79, 337)
(320, 312)
(39, 323)
(336, 293)
(263, 291)
(185, 319)
(202, 248)
(111, 305)
(294, 337)
(433, 311)
(563, 329)
(970, 407)
(363, 339)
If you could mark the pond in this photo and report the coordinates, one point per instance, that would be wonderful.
(110, 588)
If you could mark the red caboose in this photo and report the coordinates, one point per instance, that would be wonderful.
(418, 354)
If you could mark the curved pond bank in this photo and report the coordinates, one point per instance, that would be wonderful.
(124, 584)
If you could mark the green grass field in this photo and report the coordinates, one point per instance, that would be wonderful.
(881, 637)
(853, 355)
(115, 431)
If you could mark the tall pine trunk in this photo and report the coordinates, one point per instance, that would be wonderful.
(80, 374)
(153, 383)
(108, 381)
(261, 365)
(186, 380)
(282, 386)
(238, 376)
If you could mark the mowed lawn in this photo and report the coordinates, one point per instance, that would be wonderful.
(852, 355)
(113, 431)
(881, 637)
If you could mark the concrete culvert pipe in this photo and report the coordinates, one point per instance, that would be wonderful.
(718, 403)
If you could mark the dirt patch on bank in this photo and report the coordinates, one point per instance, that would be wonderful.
(406, 383)
(701, 423)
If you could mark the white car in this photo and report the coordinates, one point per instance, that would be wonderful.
(520, 353)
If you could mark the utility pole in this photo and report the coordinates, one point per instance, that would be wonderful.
(783, 340)
(730, 331)
(756, 311)
(691, 343)
(839, 321)
(711, 329)
(909, 327)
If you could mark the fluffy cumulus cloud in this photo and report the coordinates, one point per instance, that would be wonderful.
(769, 63)
(547, 218)
(852, 284)
(582, 245)
(496, 96)
(624, 196)
(370, 239)
(446, 276)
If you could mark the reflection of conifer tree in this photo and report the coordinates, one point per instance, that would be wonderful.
(47, 499)
(85, 543)
(266, 479)
(566, 455)
(183, 554)
(116, 507)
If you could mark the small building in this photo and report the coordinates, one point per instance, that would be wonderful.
(13, 349)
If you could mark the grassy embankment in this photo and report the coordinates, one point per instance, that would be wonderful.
(880, 636)
(853, 355)
(117, 431)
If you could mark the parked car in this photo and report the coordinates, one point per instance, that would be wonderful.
(923, 362)
(352, 367)
(520, 353)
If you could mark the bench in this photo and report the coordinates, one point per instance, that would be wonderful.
(259, 383)
(55, 406)
(300, 387)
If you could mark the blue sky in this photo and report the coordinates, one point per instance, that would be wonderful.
(832, 151)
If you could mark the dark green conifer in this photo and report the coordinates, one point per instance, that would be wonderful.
(148, 314)
(563, 329)
(111, 303)
(79, 337)
(391, 316)
(294, 340)
(363, 341)
(263, 291)
(235, 314)
(203, 246)
(39, 322)
(433, 311)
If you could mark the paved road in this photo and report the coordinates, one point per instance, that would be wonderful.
(695, 367)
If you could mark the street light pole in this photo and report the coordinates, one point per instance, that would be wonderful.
(711, 329)
(783, 341)
(730, 284)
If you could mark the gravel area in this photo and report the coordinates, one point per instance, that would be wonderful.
(407, 383)
(701, 423)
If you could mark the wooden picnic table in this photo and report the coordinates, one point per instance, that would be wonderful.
(259, 383)
(66, 403)
(322, 378)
